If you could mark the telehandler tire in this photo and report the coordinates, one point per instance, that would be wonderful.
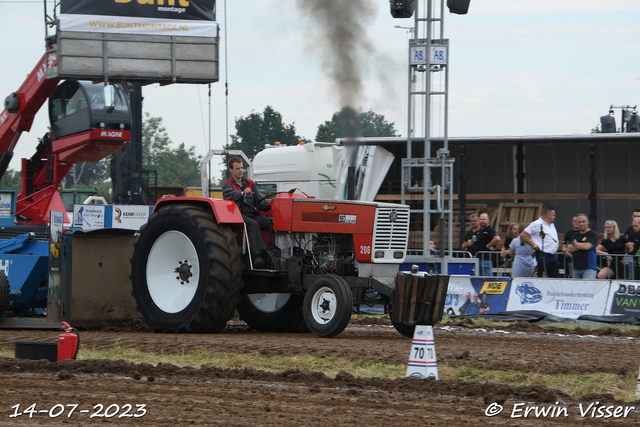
(186, 271)
(328, 305)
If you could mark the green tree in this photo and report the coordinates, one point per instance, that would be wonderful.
(256, 130)
(176, 166)
(351, 124)
(10, 181)
(86, 175)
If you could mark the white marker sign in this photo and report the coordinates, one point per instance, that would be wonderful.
(422, 358)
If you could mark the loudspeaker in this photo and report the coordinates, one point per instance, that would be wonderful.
(402, 8)
(634, 123)
(460, 7)
(608, 124)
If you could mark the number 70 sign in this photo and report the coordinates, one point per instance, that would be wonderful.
(422, 357)
(437, 55)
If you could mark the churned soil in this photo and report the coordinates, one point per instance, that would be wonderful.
(123, 393)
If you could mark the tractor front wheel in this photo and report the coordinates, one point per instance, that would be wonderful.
(328, 305)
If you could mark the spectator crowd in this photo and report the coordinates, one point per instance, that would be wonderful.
(534, 250)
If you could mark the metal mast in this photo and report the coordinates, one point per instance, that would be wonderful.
(422, 171)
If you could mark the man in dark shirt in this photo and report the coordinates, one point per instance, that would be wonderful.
(634, 267)
(583, 250)
(486, 240)
(470, 235)
(566, 240)
(484, 305)
(569, 234)
(245, 193)
(630, 234)
(466, 305)
(474, 308)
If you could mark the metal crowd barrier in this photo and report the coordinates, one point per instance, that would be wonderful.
(497, 267)
(624, 267)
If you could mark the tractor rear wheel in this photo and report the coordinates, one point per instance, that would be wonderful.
(186, 271)
(327, 306)
(5, 290)
(273, 312)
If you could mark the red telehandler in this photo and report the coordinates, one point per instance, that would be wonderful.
(88, 122)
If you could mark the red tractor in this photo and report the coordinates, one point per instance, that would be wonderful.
(189, 267)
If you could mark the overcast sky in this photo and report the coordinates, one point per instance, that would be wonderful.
(516, 68)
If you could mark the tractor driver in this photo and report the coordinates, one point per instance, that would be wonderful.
(245, 193)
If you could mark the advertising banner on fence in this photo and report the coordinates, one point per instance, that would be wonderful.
(6, 205)
(170, 17)
(88, 217)
(7, 208)
(459, 286)
(563, 298)
(624, 298)
(469, 295)
(54, 289)
(130, 217)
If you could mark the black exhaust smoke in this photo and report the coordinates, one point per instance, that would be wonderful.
(343, 24)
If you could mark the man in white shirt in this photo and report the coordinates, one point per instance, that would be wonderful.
(542, 235)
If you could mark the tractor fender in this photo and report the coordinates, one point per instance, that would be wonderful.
(224, 211)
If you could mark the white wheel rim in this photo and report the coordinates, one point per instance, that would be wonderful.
(269, 303)
(324, 305)
(171, 289)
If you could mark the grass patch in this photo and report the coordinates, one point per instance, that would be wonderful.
(329, 365)
(576, 385)
(480, 321)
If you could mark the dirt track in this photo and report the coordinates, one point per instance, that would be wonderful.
(212, 396)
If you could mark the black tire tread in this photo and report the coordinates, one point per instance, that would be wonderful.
(343, 315)
(5, 291)
(221, 293)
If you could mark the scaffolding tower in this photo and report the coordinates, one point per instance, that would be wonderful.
(424, 173)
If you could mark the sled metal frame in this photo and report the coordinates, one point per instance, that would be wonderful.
(28, 323)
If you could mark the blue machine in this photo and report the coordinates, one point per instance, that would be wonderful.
(24, 258)
(455, 266)
(25, 261)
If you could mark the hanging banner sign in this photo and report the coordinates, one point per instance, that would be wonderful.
(130, 217)
(470, 295)
(165, 17)
(563, 298)
(88, 216)
(624, 298)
